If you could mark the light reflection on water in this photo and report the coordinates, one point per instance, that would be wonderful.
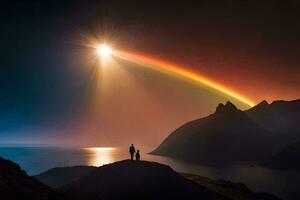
(98, 156)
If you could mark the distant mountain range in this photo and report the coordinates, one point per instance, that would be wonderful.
(280, 117)
(230, 134)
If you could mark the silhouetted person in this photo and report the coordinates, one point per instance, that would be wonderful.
(131, 151)
(137, 155)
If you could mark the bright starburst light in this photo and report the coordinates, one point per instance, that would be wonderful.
(103, 50)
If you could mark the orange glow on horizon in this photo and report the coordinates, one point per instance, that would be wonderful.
(180, 72)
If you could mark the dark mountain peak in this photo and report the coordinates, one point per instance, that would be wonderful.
(197, 140)
(264, 103)
(281, 108)
(230, 105)
(259, 107)
(220, 107)
(283, 102)
(227, 108)
(213, 139)
(278, 106)
(278, 102)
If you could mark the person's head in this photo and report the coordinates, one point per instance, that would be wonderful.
(131, 144)
(138, 151)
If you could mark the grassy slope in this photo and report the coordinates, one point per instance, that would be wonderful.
(235, 191)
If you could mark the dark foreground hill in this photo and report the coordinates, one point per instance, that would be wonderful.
(136, 180)
(60, 176)
(230, 134)
(15, 184)
(120, 180)
(234, 191)
(145, 180)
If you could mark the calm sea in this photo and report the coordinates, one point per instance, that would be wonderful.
(35, 160)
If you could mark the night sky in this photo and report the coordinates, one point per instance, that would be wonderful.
(48, 89)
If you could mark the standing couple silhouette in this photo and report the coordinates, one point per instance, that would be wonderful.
(132, 152)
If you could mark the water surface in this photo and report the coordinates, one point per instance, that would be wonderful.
(35, 160)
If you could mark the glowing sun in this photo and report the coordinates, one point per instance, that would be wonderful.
(103, 50)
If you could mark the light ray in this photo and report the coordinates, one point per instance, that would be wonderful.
(181, 72)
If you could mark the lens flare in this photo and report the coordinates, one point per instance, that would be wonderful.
(103, 50)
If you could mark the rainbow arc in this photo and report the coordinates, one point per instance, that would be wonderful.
(182, 73)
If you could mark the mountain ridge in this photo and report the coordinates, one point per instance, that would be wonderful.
(230, 134)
